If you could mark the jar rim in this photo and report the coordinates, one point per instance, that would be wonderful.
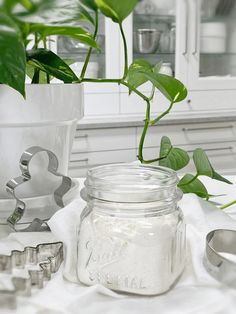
(131, 182)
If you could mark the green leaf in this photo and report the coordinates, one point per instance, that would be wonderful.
(30, 71)
(142, 71)
(174, 158)
(7, 5)
(169, 86)
(54, 12)
(77, 33)
(157, 67)
(134, 77)
(90, 4)
(117, 10)
(48, 62)
(204, 167)
(195, 186)
(12, 60)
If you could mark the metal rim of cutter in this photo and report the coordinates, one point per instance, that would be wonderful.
(37, 224)
(219, 266)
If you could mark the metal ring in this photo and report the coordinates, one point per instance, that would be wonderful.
(218, 265)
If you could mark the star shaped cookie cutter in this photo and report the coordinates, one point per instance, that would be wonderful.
(36, 224)
(40, 263)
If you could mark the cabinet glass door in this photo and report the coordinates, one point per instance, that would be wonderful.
(74, 52)
(214, 44)
(154, 33)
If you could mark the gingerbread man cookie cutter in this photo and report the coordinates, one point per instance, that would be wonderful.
(11, 186)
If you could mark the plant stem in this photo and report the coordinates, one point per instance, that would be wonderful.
(125, 51)
(145, 128)
(45, 47)
(118, 81)
(35, 79)
(228, 205)
(152, 93)
(153, 160)
(90, 48)
(162, 115)
(100, 80)
(36, 41)
(145, 98)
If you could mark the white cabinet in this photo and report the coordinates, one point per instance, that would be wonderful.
(204, 57)
(97, 146)
(212, 48)
(197, 39)
(93, 147)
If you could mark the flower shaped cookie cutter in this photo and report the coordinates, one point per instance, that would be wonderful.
(37, 264)
(66, 184)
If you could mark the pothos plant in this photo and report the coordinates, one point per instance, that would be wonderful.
(20, 20)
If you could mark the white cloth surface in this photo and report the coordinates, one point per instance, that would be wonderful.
(195, 293)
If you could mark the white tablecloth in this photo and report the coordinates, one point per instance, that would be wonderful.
(196, 292)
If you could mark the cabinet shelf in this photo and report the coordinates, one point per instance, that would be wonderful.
(217, 18)
(157, 54)
(81, 56)
(218, 55)
(153, 17)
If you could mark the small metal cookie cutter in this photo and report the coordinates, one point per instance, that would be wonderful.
(218, 242)
(37, 224)
(39, 262)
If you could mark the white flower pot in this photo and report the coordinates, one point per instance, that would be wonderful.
(47, 118)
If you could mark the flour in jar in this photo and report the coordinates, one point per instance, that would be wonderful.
(142, 254)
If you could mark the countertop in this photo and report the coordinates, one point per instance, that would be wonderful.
(117, 121)
(196, 292)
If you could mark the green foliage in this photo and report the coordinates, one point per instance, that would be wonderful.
(176, 159)
(117, 10)
(77, 33)
(43, 18)
(41, 77)
(171, 157)
(191, 184)
(142, 71)
(90, 4)
(135, 76)
(50, 63)
(13, 61)
(62, 12)
(204, 167)
(169, 86)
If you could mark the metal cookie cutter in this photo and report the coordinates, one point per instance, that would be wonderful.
(37, 264)
(37, 224)
(218, 242)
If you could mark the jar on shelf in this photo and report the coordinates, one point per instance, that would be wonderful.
(132, 232)
(166, 69)
(172, 37)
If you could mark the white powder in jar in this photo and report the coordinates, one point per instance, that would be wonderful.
(142, 254)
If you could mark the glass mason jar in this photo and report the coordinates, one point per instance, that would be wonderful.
(132, 233)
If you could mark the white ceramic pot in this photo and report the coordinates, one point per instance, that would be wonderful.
(47, 118)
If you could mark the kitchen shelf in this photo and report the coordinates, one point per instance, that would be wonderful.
(154, 58)
(153, 55)
(153, 17)
(225, 54)
(81, 56)
(217, 18)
